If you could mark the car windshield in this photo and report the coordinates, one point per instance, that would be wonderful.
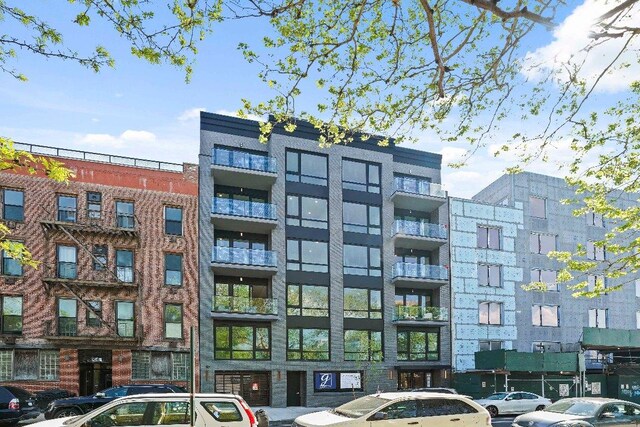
(497, 396)
(574, 407)
(359, 407)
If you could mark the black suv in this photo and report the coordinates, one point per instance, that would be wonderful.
(16, 404)
(73, 406)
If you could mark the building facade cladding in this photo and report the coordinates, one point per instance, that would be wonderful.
(295, 382)
(60, 342)
(556, 219)
(467, 218)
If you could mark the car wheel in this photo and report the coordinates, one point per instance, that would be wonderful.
(493, 411)
(539, 407)
(66, 412)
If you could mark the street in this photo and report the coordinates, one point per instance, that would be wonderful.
(502, 421)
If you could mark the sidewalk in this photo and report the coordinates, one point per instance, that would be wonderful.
(284, 416)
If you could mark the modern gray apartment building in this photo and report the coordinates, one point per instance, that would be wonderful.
(323, 271)
(517, 220)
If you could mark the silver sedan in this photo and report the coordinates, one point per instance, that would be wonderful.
(583, 412)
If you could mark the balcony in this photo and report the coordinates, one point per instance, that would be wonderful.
(242, 215)
(421, 276)
(417, 194)
(242, 169)
(419, 235)
(420, 316)
(67, 274)
(92, 221)
(227, 307)
(67, 331)
(244, 262)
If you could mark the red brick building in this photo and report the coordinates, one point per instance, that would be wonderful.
(116, 292)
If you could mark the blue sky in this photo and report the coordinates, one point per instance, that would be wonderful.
(147, 111)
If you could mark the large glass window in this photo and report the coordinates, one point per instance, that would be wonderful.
(362, 345)
(307, 211)
(418, 345)
(307, 344)
(13, 205)
(173, 269)
(10, 266)
(11, 315)
(360, 176)
(359, 218)
(362, 303)
(243, 297)
(538, 207)
(306, 168)
(125, 215)
(489, 275)
(173, 220)
(598, 317)
(246, 342)
(173, 321)
(490, 313)
(307, 300)
(542, 243)
(125, 318)
(124, 265)
(488, 237)
(67, 262)
(67, 317)
(362, 261)
(548, 277)
(305, 255)
(67, 208)
(595, 251)
(94, 315)
(545, 315)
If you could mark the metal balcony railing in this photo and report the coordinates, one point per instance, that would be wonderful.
(420, 271)
(420, 229)
(422, 187)
(253, 257)
(243, 208)
(437, 314)
(243, 160)
(229, 304)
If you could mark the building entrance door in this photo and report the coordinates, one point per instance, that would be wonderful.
(408, 380)
(295, 388)
(95, 371)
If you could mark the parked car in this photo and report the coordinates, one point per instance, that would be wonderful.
(391, 409)
(73, 406)
(437, 390)
(583, 412)
(16, 404)
(516, 402)
(44, 397)
(211, 410)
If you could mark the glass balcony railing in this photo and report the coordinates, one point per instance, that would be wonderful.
(253, 257)
(420, 271)
(243, 208)
(229, 304)
(420, 229)
(243, 160)
(422, 187)
(436, 314)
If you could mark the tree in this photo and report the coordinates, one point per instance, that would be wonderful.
(16, 160)
(455, 68)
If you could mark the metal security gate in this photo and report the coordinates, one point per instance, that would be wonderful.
(254, 387)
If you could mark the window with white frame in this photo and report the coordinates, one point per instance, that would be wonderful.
(159, 365)
(548, 277)
(537, 207)
(28, 364)
(490, 313)
(598, 317)
(595, 252)
(545, 315)
(541, 243)
(489, 275)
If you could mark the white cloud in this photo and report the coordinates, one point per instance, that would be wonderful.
(100, 139)
(137, 136)
(452, 154)
(570, 39)
(191, 114)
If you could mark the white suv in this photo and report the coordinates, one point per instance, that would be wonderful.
(211, 410)
(419, 409)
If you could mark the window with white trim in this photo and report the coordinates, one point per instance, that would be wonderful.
(489, 275)
(490, 313)
(545, 315)
(28, 364)
(598, 317)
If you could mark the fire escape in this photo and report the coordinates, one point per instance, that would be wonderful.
(69, 224)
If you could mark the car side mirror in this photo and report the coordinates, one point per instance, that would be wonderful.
(607, 415)
(100, 395)
(379, 416)
(508, 398)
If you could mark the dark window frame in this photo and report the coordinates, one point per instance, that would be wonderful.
(91, 319)
(371, 313)
(485, 232)
(59, 263)
(298, 174)
(59, 317)
(317, 267)
(6, 330)
(490, 344)
(489, 305)
(165, 323)
(299, 219)
(536, 237)
(254, 349)
(124, 219)
(71, 212)
(369, 186)
(123, 319)
(100, 253)
(301, 349)
(371, 353)
(167, 270)
(300, 308)
(5, 205)
(538, 321)
(124, 268)
(370, 268)
(169, 223)
(93, 213)
(369, 228)
(11, 262)
(488, 282)
(406, 355)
